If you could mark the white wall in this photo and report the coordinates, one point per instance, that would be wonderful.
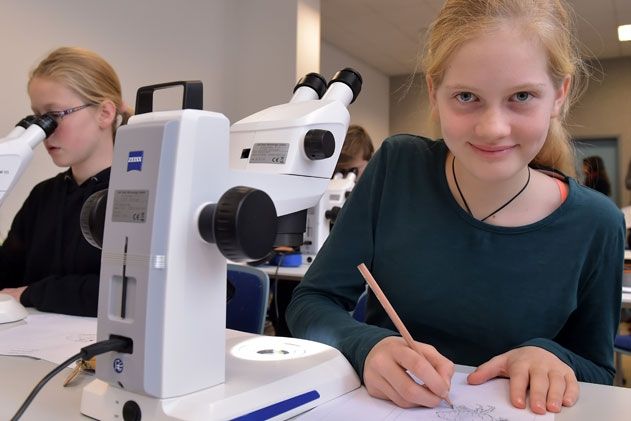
(263, 63)
(243, 51)
(371, 109)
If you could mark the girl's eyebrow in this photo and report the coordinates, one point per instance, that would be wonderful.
(520, 87)
(529, 87)
(459, 88)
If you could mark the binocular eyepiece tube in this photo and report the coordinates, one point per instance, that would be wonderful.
(345, 86)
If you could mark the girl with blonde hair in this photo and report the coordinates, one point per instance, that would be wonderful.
(473, 237)
(45, 262)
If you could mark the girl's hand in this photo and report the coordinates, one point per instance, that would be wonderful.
(385, 374)
(14, 292)
(552, 382)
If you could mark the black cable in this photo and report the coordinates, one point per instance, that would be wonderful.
(119, 344)
(41, 384)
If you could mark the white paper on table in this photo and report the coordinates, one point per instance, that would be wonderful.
(51, 337)
(485, 402)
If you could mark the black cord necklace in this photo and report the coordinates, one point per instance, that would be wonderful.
(466, 205)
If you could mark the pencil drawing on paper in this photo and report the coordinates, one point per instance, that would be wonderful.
(469, 413)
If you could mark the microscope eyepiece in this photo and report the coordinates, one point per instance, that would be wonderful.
(26, 121)
(310, 87)
(47, 123)
(314, 81)
(351, 78)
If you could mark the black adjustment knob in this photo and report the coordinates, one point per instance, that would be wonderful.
(131, 411)
(314, 81)
(332, 213)
(350, 77)
(243, 224)
(92, 218)
(319, 144)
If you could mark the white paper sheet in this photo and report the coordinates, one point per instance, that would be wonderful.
(485, 402)
(51, 337)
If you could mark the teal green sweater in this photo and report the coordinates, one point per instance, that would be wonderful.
(471, 289)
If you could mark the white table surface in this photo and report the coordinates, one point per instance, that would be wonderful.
(54, 402)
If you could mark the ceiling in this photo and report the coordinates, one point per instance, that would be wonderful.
(386, 33)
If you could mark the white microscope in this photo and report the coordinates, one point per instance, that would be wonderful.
(186, 192)
(16, 149)
(321, 217)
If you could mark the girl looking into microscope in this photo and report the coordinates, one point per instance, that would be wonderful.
(45, 262)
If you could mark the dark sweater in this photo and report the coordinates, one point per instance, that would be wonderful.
(46, 251)
(471, 289)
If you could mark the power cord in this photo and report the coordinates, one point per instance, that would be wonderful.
(115, 343)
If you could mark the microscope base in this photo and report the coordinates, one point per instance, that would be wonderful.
(267, 377)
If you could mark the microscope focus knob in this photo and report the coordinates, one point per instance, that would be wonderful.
(92, 218)
(243, 224)
(319, 144)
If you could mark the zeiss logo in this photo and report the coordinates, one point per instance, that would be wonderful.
(134, 161)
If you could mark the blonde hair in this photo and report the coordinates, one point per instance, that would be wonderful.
(87, 74)
(550, 21)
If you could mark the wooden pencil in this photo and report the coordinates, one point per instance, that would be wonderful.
(391, 312)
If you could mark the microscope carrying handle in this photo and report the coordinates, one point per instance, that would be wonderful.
(192, 96)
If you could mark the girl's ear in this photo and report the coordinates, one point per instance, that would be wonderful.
(561, 96)
(106, 114)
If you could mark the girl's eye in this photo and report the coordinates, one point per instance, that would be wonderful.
(522, 96)
(465, 97)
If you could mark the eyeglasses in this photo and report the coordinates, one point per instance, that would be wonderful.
(59, 115)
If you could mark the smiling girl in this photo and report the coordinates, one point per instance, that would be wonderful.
(473, 238)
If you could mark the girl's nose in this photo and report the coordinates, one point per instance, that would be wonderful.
(493, 124)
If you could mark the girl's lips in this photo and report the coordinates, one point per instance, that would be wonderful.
(492, 149)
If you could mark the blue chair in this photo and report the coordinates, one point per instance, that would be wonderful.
(248, 294)
(359, 313)
(621, 346)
